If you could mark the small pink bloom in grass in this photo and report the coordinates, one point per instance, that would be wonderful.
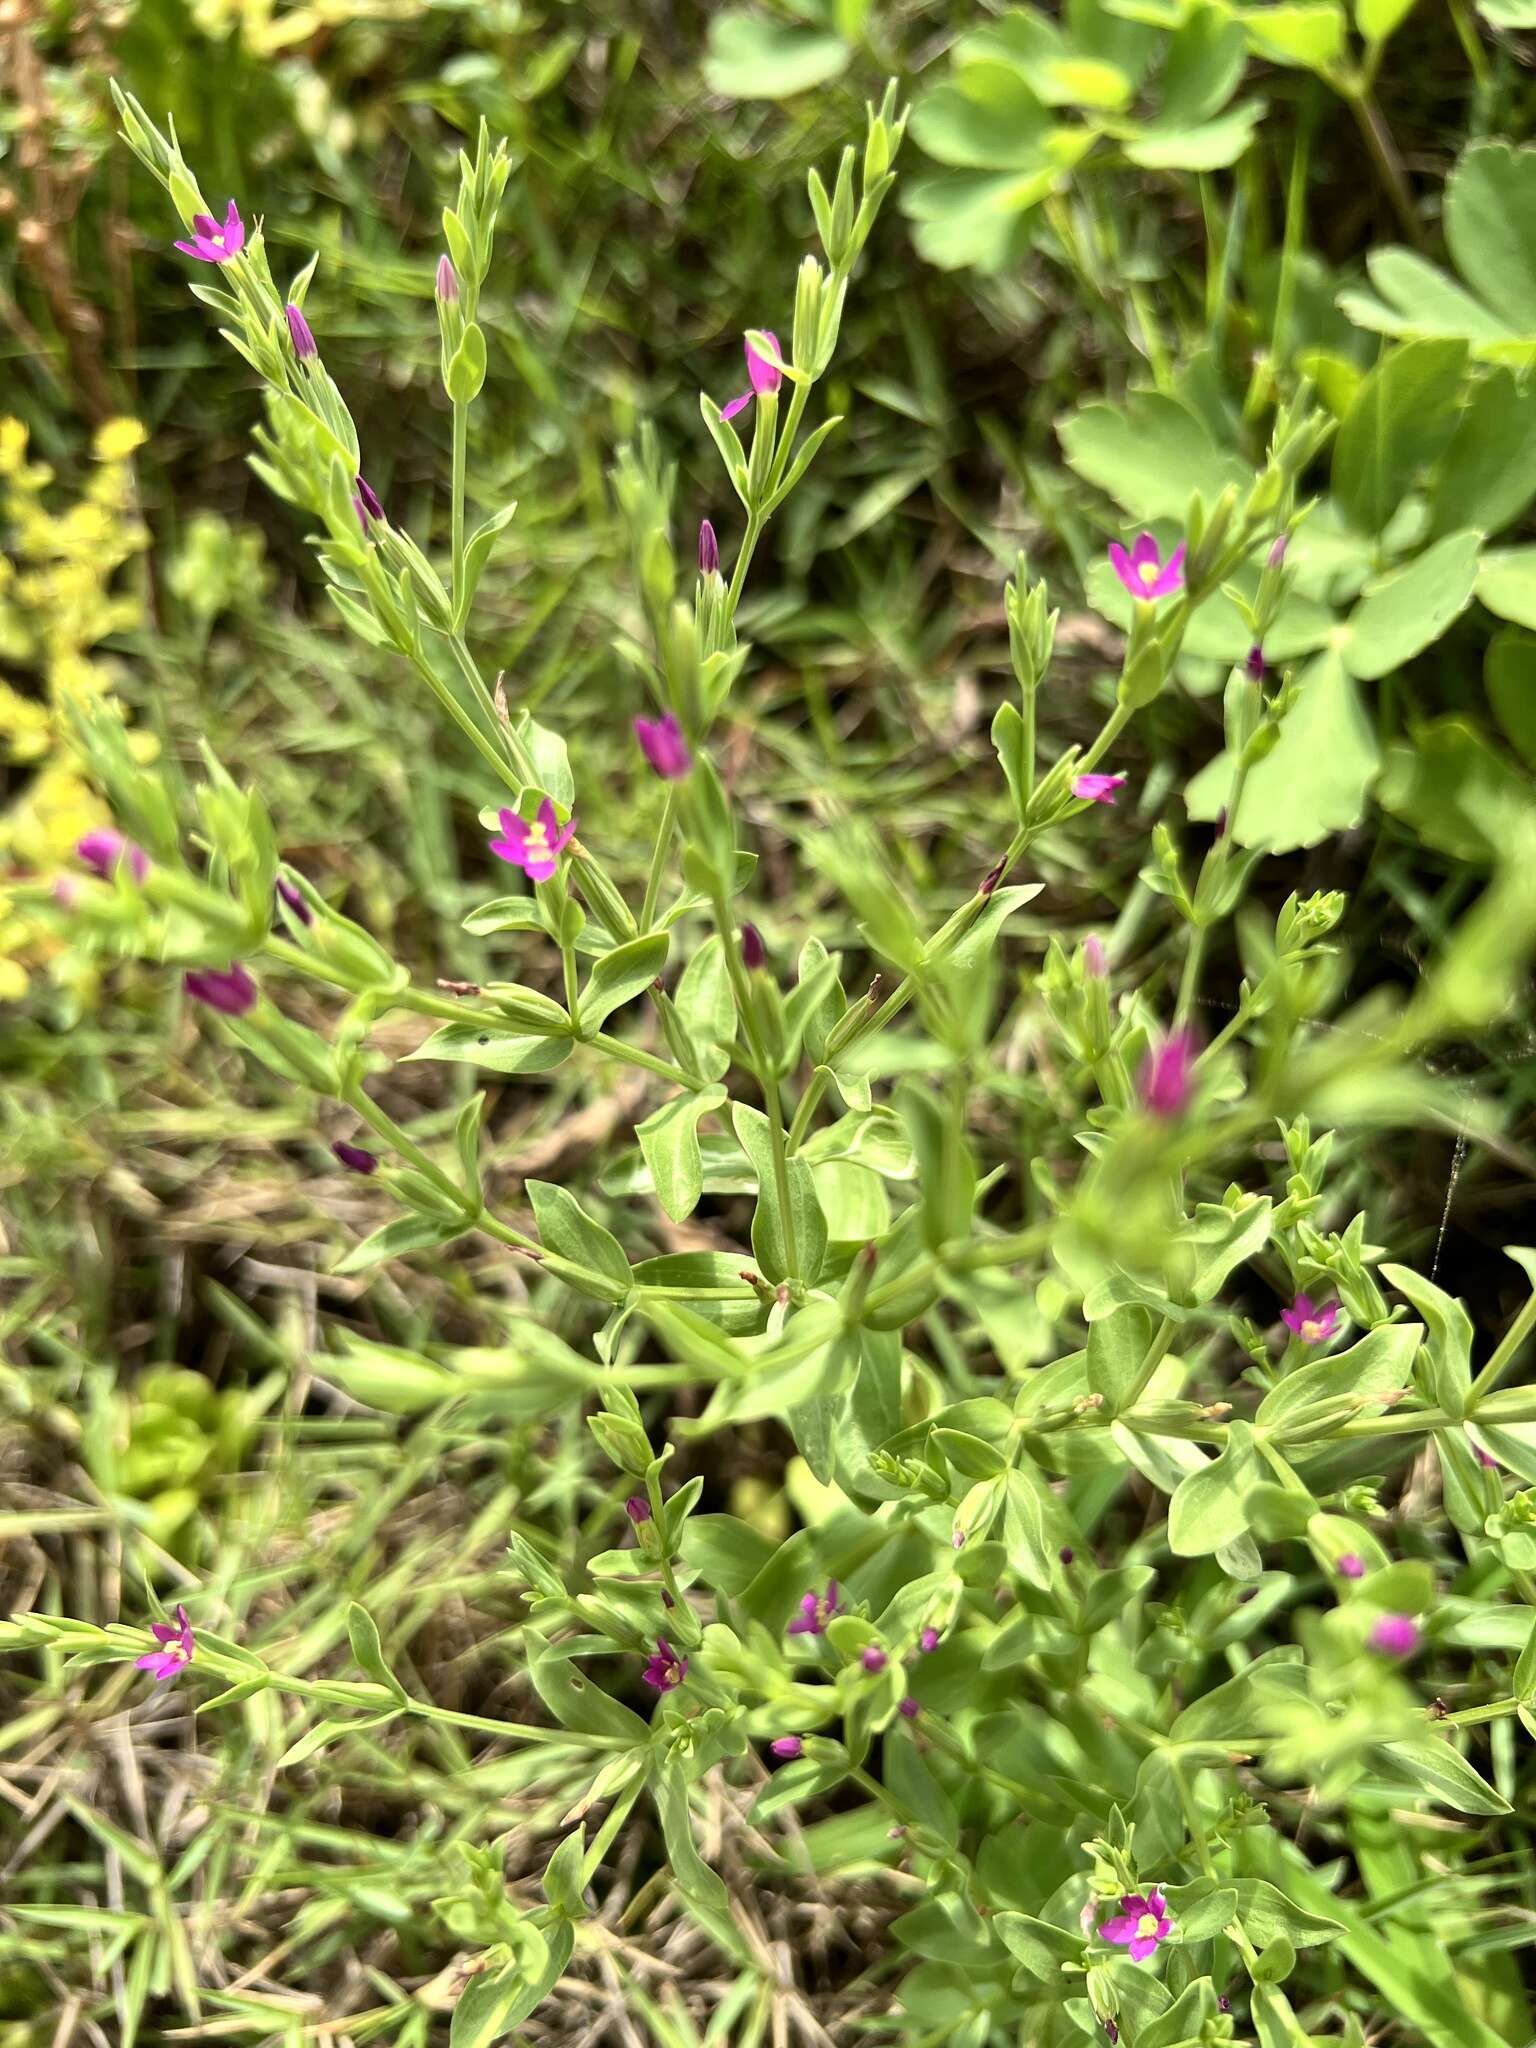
(355, 1158)
(296, 900)
(638, 1509)
(1164, 1080)
(1351, 1565)
(816, 1610)
(230, 990)
(928, 1641)
(176, 1647)
(709, 550)
(666, 1670)
(1395, 1635)
(1140, 1925)
(874, 1658)
(212, 243)
(535, 848)
(662, 743)
(909, 1709)
(366, 502)
(1144, 572)
(106, 851)
(300, 334)
(1311, 1324)
(447, 285)
(1097, 789)
(787, 1746)
(761, 374)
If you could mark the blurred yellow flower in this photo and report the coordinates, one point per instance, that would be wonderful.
(59, 599)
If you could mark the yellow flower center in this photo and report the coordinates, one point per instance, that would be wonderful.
(1149, 571)
(1148, 1924)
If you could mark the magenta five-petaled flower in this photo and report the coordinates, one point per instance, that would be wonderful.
(212, 243)
(300, 333)
(762, 375)
(666, 1670)
(1144, 572)
(662, 743)
(1351, 1565)
(229, 990)
(176, 1647)
(1097, 789)
(787, 1746)
(1395, 1635)
(1140, 1925)
(535, 848)
(1311, 1324)
(1164, 1081)
(816, 1610)
(106, 851)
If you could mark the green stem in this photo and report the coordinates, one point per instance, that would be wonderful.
(659, 857)
(653, 1063)
(460, 454)
(1504, 1357)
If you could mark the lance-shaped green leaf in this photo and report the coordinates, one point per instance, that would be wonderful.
(572, 1235)
(669, 1138)
(618, 977)
(769, 1244)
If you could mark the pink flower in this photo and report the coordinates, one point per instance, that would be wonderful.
(176, 1647)
(1141, 1924)
(230, 990)
(787, 1746)
(928, 1641)
(106, 851)
(1395, 1635)
(366, 502)
(1144, 572)
(816, 1610)
(1277, 548)
(754, 954)
(666, 1670)
(1351, 1566)
(447, 283)
(212, 243)
(1311, 1325)
(909, 1709)
(1164, 1081)
(300, 333)
(874, 1658)
(762, 375)
(1097, 789)
(1255, 668)
(1095, 966)
(534, 848)
(638, 1509)
(355, 1158)
(1485, 1459)
(662, 743)
(709, 550)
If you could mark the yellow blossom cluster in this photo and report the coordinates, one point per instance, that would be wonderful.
(60, 597)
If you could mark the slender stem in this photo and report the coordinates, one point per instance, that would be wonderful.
(653, 1063)
(1509, 1346)
(460, 453)
(386, 1127)
(664, 834)
(1389, 165)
